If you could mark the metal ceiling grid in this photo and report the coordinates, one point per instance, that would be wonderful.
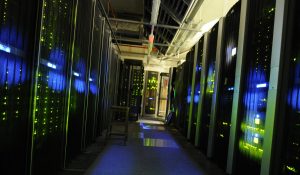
(171, 13)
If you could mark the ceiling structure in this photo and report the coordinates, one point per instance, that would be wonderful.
(180, 25)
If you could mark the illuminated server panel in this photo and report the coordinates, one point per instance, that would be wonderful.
(151, 92)
(228, 67)
(131, 85)
(179, 99)
(114, 77)
(94, 84)
(137, 85)
(16, 53)
(79, 80)
(255, 91)
(137, 81)
(197, 89)
(290, 163)
(51, 86)
(104, 79)
(188, 78)
(209, 88)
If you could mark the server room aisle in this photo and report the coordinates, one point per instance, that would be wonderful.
(152, 149)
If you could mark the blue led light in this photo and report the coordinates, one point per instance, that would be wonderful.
(93, 89)
(196, 98)
(189, 93)
(198, 68)
(5, 48)
(188, 99)
(230, 89)
(76, 74)
(13, 68)
(233, 51)
(262, 85)
(93, 82)
(56, 81)
(56, 76)
(53, 66)
(80, 79)
(79, 86)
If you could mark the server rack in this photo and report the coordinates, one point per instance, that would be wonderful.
(104, 88)
(150, 92)
(163, 94)
(94, 86)
(227, 79)
(197, 89)
(208, 89)
(254, 93)
(287, 148)
(187, 95)
(179, 99)
(80, 78)
(50, 88)
(17, 29)
(131, 86)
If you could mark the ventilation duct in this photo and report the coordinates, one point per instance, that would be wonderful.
(154, 16)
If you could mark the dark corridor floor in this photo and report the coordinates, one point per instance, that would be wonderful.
(151, 149)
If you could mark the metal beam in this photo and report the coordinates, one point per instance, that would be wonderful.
(142, 41)
(172, 15)
(237, 95)
(101, 8)
(157, 25)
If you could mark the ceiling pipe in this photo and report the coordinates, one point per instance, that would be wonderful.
(190, 8)
(101, 8)
(141, 41)
(153, 22)
(157, 25)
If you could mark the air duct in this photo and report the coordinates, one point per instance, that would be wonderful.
(155, 11)
(154, 16)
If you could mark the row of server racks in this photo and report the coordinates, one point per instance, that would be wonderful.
(236, 97)
(131, 81)
(57, 80)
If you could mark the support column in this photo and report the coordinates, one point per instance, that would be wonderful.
(274, 90)
(193, 93)
(237, 96)
(215, 98)
(202, 85)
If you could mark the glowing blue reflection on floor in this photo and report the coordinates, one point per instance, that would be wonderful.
(150, 142)
(151, 127)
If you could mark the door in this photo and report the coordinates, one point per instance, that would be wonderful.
(163, 95)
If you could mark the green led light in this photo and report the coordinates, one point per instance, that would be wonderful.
(225, 123)
(254, 151)
(245, 127)
(293, 169)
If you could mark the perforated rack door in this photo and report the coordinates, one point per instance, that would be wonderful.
(255, 91)
(50, 107)
(80, 78)
(17, 27)
(229, 58)
(290, 163)
(208, 89)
